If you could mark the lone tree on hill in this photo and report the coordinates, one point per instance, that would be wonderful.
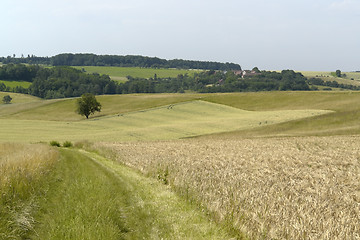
(87, 105)
(338, 73)
(7, 99)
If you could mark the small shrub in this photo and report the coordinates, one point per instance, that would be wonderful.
(7, 99)
(55, 144)
(67, 144)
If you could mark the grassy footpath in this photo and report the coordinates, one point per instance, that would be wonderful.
(94, 198)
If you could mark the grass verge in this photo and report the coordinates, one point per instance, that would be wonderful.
(24, 170)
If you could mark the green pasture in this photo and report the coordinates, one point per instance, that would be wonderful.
(56, 119)
(354, 75)
(288, 100)
(173, 121)
(14, 84)
(19, 98)
(326, 76)
(344, 120)
(64, 109)
(120, 73)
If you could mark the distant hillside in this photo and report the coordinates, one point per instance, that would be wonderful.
(65, 81)
(88, 59)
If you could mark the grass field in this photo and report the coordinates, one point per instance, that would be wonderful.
(14, 84)
(354, 75)
(80, 195)
(64, 109)
(276, 188)
(173, 121)
(239, 170)
(326, 76)
(343, 120)
(19, 98)
(120, 73)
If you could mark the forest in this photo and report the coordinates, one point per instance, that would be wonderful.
(65, 81)
(217, 81)
(84, 59)
(55, 82)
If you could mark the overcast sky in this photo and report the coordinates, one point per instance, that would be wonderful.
(269, 34)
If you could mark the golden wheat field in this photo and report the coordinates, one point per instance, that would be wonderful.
(275, 188)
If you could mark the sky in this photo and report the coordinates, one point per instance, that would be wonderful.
(313, 35)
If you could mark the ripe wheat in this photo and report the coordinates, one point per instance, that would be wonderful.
(284, 188)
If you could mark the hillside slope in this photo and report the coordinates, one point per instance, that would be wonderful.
(174, 121)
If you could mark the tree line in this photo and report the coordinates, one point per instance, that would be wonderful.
(217, 81)
(55, 82)
(18, 72)
(64, 81)
(69, 59)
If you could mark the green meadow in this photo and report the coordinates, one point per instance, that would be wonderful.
(120, 73)
(326, 76)
(14, 84)
(172, 121)
(82, 195)
(20, 98)
(173, 116)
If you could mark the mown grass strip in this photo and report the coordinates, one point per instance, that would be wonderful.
(94, 198)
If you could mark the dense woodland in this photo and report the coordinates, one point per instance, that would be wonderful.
(68, 59)
(64, 81)
(217, 81)
(55, 82)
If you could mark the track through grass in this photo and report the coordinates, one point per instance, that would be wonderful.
(95, 198)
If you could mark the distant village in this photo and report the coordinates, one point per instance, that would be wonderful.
(247, 73)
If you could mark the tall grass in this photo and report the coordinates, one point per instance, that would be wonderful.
(23, 168)
(283, 188)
